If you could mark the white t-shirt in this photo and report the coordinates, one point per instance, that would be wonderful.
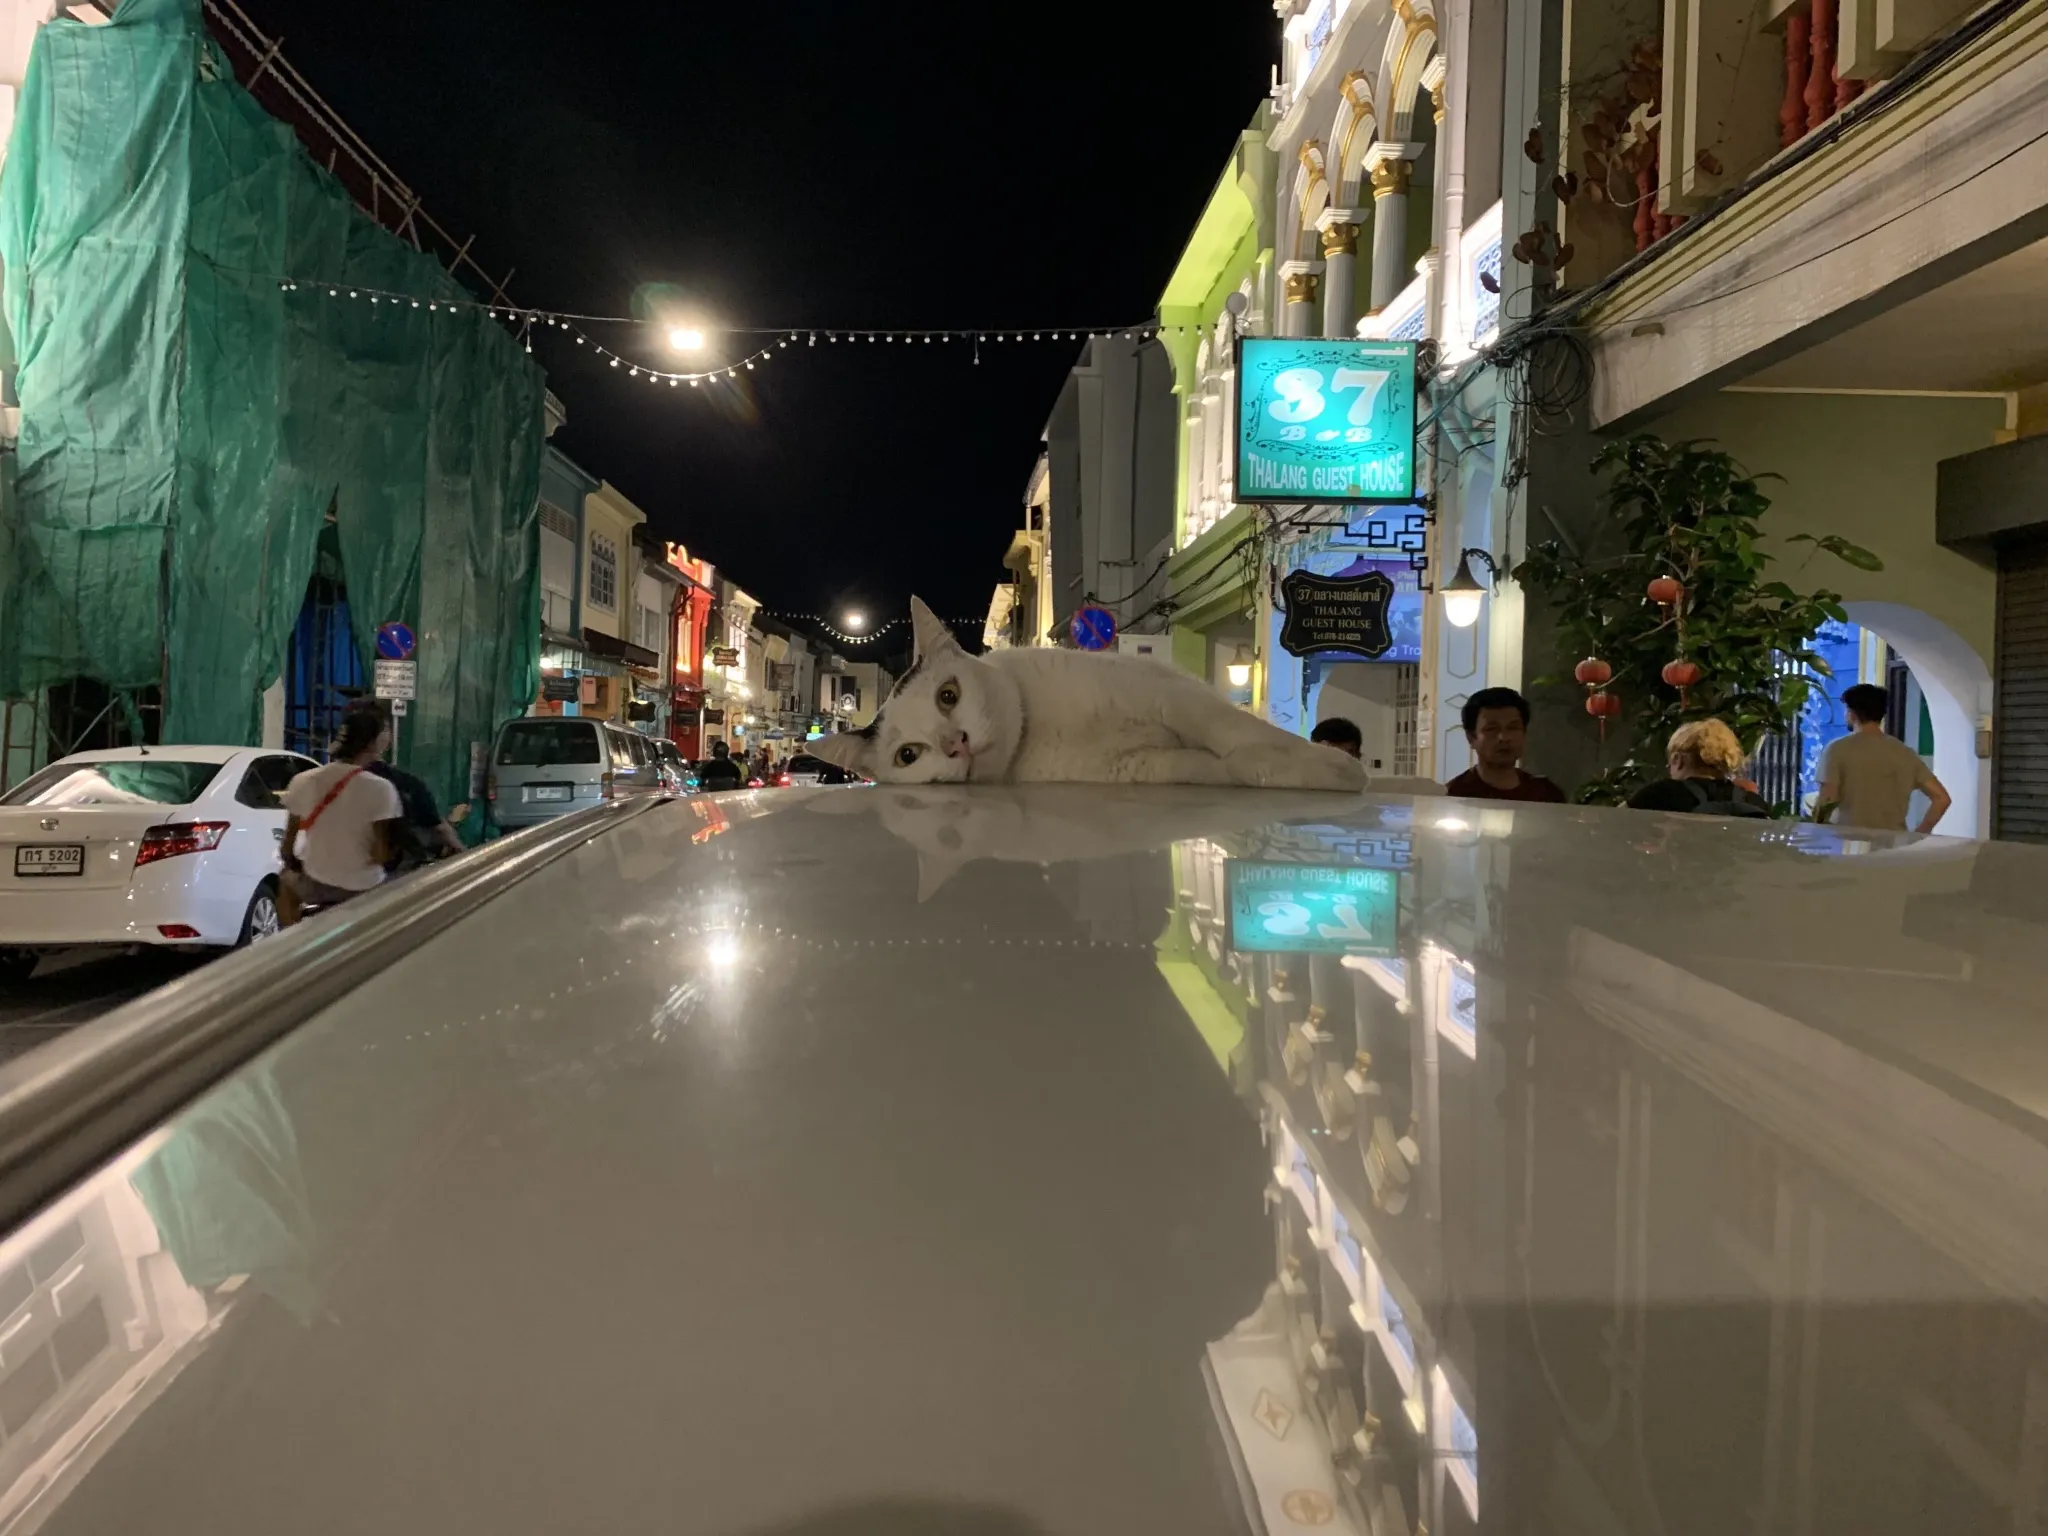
(338, 850)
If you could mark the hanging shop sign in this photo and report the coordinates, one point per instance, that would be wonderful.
(1329, 909)
(1350, 614)
(1322, 420)
(558, 690)
(725, 656)
(714, 716)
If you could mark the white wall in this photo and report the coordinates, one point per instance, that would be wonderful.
(1363, 692)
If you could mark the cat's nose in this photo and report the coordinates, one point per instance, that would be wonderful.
(954, 744)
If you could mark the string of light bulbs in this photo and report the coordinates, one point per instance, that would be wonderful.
(866, 636)
(524, 319)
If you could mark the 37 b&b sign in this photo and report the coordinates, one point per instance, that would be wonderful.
(1323, 420)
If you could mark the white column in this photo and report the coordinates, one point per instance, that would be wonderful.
(1447, 321)
(1390, 166)
(1212, 429)
(1340, 271)
(1300, 280)
(1226, 442)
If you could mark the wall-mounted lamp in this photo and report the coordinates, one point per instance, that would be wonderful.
(1463, 595)
(1239, 668)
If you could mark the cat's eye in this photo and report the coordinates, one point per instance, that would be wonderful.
(949, 695)
(905, 756)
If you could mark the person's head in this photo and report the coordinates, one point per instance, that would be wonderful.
(1497, 726)
(1340, 733)
(720, 749)
(1866, 703)
(1703, 749)
(365, 733)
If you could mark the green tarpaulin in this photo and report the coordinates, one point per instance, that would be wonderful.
(188, 419)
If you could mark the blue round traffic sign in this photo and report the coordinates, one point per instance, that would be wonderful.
(1093, 629)
(394, 641)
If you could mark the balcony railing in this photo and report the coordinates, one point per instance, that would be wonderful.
(1742, 83)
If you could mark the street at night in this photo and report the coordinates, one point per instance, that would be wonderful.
(1236, 768)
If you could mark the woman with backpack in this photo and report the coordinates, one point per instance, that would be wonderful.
(1702, 758)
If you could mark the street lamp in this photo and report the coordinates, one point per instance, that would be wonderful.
(1463, 596)
(1239, 669)
(685, 338)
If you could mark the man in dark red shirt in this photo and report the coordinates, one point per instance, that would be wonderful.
(1497, 726)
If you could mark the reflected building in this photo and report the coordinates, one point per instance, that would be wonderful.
(1581, 1226)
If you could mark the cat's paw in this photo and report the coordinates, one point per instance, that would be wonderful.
(1287, 766)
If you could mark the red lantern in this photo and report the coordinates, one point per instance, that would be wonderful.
(1600, 706)
(1681, 674)
(1592, 672)
(1665, 591)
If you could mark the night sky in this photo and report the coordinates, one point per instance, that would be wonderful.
(810, 164)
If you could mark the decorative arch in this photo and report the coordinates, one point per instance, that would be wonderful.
(1409, 50)
(1356, 126)
(1311, 197)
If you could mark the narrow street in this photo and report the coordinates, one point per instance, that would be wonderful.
(67, 992)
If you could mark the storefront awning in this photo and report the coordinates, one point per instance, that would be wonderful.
(611, 647)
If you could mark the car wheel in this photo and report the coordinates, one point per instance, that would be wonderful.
(261, 920)
(17, 964)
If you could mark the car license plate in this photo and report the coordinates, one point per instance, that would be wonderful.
(50, 859)
(548, 791)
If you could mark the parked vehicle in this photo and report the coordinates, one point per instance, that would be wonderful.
(681, 772)
(142, 845)
(807, 770)
(544, 766)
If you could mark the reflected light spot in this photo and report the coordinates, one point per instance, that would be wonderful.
(723, 950)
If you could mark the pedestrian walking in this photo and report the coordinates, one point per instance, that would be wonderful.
(1496, 724)
(1867, 777)
(1344, 735)
(1702, 758)
(341, 823)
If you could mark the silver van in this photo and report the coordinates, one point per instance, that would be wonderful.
(544, 766)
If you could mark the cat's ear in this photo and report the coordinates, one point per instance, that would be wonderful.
(931, 632)
(848, 749)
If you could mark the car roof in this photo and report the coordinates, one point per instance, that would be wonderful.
(180, 752)
(767, 1157)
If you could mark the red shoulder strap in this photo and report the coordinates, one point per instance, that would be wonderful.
(328, 799)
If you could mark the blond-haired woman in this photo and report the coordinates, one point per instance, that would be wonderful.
(1703, 757)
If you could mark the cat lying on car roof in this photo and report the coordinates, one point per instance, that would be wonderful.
(1042, 715)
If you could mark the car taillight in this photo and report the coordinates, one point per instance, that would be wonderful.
(177, 930)
(753, 783)
(782, 781)
(605, 786)
(176, 837)
(491, 787)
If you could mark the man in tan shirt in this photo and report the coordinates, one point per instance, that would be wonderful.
(1867, 778)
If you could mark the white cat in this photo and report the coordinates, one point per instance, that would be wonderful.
(1042, 715)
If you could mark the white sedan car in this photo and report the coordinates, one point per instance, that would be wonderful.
(142, 845)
